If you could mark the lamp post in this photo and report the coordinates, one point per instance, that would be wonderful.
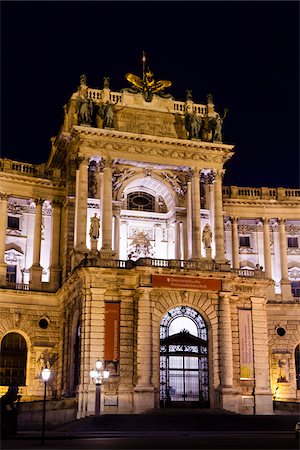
(98, 375)
(45, 377)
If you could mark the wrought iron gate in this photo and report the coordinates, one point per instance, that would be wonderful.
(184, 361)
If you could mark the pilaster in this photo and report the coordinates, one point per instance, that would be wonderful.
(144, 390)
(36, 269)
(262, 390)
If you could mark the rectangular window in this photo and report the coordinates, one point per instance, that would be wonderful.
(244, 241)
(13, 222)
(292, 242)
(11, 274)
(296, 288)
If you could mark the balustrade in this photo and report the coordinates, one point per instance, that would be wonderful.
(260, 193)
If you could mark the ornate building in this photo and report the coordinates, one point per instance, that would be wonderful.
(126, 246)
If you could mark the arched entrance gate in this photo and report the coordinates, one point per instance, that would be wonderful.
(183, 359)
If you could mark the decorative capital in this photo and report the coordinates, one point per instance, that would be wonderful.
(56, 203)
(107, 163)
(4, 197)
(81, 159)
(234, 220)
(39, 201)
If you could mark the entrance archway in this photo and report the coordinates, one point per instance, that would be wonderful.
(183, 359)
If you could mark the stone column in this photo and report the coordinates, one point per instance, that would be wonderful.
(267, 248)
(228, 395)
(262, 391)
(106, 250)
(219, 220)
(189, 222)
(286, 291)
(36, 269)
(177, 239)
(3, 224)
(235, 242)
(144, 390)
(117, 232)
(55, 269)
(196, 215)
(81, 204)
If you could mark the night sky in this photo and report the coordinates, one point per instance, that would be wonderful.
(245, 53)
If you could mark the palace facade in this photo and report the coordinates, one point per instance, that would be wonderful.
(126, 246)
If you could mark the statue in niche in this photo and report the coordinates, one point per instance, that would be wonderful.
(193, 124)
(84, 109)
(94, 227)
(207, 236)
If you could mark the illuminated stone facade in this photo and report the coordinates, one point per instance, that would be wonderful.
(221, 255)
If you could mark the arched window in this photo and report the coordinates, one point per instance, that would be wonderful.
(13, 360)
(140, 201)
(297, 366)
(183, 358)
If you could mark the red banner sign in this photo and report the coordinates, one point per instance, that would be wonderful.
(200, 284)
(112, 331)
(246, 344)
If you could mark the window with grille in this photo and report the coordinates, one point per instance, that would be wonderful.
(141, 201)
(13, 360)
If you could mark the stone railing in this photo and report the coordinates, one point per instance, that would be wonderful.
(17, 286)
(169, 264)
(116, 97)
(8, 165)
(263, 193)
(180, 108)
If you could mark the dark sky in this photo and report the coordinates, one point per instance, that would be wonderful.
(245, 53)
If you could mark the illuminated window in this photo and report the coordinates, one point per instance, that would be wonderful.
(13, 360)
(141, 201)
(296, 288)
(11, 274)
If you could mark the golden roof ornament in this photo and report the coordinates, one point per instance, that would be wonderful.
(147, 85)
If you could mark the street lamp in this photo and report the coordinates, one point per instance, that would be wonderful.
(45, 377)
(98, 376)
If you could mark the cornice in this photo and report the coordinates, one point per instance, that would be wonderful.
(259, 202)
(11, 177)
(182, 149)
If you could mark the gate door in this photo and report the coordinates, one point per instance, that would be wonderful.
(183, 359)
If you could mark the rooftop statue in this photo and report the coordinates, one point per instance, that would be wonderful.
(147, 85)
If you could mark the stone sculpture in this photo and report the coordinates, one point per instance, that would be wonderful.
(94, 227)
(207, 236)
